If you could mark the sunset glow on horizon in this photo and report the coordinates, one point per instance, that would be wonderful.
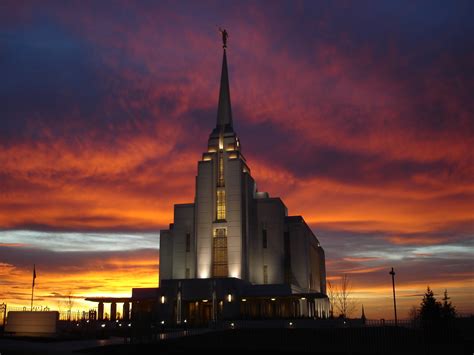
(359, 116)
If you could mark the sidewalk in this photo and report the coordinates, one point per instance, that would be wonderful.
(16, 346)
(10, 346)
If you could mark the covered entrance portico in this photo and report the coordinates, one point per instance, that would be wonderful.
(199, 301)
(125, 315)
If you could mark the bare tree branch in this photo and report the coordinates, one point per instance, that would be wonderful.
(69, 304)
(332, 298)
(344, 301)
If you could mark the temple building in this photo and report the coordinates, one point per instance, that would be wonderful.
(234, 252)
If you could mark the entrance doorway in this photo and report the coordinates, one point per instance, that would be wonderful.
(198, 312)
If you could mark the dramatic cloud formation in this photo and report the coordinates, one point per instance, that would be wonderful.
(360, 116)
(79, 274)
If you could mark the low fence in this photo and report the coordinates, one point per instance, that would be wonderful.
(73, 315)
(407, 323)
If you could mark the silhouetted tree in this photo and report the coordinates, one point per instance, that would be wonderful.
(430, 309)
(66, 301)
(332, 298)
(448, 311)
(344, 301)
(414, 313)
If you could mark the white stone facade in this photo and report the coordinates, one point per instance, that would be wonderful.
(233, 231)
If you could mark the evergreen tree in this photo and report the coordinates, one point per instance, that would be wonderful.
(448, 311)
(430, 308)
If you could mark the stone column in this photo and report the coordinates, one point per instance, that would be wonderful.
(178, 305)
(113, 311)
(126, 311)
(100, 311)
(214, 301)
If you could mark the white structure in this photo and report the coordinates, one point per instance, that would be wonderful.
(233, 231)
(32, 324)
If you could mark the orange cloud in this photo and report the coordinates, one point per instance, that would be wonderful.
(362, 259)
(417, 240)
(373, 150)
(365, 270)
(94, 274)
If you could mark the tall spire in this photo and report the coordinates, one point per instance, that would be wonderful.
(224, 111)
(362, 317)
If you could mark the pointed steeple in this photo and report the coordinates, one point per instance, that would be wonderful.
(363, 318)
(224, 110)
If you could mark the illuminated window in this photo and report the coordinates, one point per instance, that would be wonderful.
(219, 253)
(220, 177)
(265, 274)
(188, 242)
(220, 205)
(264, 239)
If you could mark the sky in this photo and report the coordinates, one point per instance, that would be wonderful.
(359, 115)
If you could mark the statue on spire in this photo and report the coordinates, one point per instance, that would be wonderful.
(224, 37)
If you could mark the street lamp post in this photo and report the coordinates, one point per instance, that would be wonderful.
(392, 272)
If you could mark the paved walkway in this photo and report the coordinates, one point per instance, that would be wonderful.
(16, 346)
(180, 333)
(9, 346)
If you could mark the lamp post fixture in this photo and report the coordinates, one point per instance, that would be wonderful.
(392, 272)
